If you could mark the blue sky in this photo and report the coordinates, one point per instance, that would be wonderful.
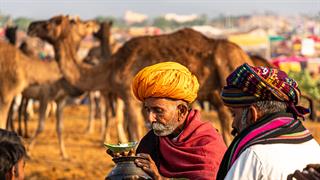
(41, 9)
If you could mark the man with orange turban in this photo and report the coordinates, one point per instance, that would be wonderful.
(179, 145)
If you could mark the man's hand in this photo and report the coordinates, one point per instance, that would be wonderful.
(311, 172)
(148, 165)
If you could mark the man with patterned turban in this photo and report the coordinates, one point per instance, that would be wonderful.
(179, 145)
(270, 141)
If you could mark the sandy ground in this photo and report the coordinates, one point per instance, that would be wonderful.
(87, 158)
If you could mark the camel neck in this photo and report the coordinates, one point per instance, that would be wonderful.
(105, 46)
(66, 49)
(80, 75)
(38, 71)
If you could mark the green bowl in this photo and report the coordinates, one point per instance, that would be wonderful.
(118, 148)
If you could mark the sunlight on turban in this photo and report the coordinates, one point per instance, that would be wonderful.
(167, 80)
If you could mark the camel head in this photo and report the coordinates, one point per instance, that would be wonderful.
(61, 27)
(11, 34)
(105, 28)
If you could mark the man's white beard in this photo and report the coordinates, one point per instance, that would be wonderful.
(160, 129)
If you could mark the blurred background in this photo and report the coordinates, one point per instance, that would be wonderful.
(284, 32)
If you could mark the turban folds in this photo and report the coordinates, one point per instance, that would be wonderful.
(165, 80)
(248, 84)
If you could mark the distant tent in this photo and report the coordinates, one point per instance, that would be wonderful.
(276, 38)
(248, 40)
(292, 63)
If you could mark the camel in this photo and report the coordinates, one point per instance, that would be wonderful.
(101, 53)
(96, 56)
(57, 91)
(210, 60)
(18, 71)
(11, 36)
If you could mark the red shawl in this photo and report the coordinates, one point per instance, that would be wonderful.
(195, 154)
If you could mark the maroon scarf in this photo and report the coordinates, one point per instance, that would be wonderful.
(195, 154)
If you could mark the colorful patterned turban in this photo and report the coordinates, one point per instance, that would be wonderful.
(248, 84)
(168, 80)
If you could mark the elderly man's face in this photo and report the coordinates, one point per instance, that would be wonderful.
(242, 118)
(163, 114)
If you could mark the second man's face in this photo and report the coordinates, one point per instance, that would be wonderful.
(163, 115)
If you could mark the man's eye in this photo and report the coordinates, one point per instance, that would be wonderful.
(158, 110)
(146, 109)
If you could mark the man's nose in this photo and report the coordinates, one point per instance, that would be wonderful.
(151, 117)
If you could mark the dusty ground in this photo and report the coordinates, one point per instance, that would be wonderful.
(87, 158)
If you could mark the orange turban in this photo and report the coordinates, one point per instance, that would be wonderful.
(167, 80)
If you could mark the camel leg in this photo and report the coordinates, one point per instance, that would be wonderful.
(5, 106)
(59, 127)
(105, 132)
(21, 112)
(225, 117)
(131, 116)
(97, 102)
(42, 117)
(91, 104)
(10, 125)
(26, 118)
(120, 121)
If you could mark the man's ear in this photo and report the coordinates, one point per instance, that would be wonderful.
(11, 173)
(183, 111)
(253, 115)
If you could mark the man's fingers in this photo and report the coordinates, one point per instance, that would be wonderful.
(150, 172)
(145, 156)
(144, 161)
(313, 173)
(300, 175)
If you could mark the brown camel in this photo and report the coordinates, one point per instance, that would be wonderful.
(57, 91)
(95, 57)
(101, 53)
(17, 71)
(210, 60)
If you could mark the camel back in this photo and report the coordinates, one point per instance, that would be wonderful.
(210, 60)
